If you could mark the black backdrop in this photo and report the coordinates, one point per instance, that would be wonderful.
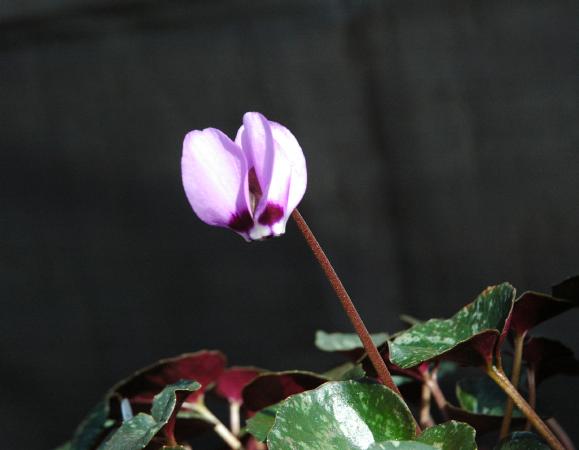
(442, 147)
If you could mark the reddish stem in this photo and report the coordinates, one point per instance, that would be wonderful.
(347, 304)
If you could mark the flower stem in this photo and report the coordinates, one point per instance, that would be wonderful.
(432, 382)
(532, 385)
(502, 380)
(515, 378)
(347, 304)
(425, 418)
(561, 434)
(218, 426)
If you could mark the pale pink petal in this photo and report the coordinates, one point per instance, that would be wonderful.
(286, 142)
(214, 171)
(273, 172)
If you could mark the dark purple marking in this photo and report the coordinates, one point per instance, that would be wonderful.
(241, 221)
(254, 186)
(271, 214)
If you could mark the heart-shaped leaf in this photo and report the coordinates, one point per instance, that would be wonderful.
(449, 436)
(567, 289)
(137, 432)
(262, 422)
(533, 308)
(341, 414)
(480, 395)
(273, 387)
(469, 337)
(548, 357)
(346, 371)
(204, 366)
(482, 423)
(348, 344)
(401, 445)
(134, 434)
(93, 428)
(141, 387)
(231, 382)
(522, 440)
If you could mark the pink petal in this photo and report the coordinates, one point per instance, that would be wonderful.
(288, 144)
(214, 172)
(276, 157)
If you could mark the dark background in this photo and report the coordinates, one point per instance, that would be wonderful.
(442, 146)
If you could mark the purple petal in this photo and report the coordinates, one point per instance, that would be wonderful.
(288, 144)
(273, 152)
(214, 172)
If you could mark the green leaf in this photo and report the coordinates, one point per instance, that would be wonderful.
(341, 414)
(480, 395)
(449, 436)
(469, 337)
(92, 428)
(346, 371)
(401, 445)
(344, 342)
(164, 403)
(65, 446)
(137, 433)
(522, 440)
(262, 422)
(133, 434)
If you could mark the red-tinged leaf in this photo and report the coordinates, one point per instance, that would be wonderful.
(231, 382)
(533, 308)
(548, 357)
(204, 366)
(273, 387)
(470, 337)
(253, 444)
(482, 423)
(567, 289)
(411, 372)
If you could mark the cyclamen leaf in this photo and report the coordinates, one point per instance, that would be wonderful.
(401, 445)
(548, 357)
(449, 436)
(231, 382)
(480, 395)
(261, 423)
(272, 387)
(482, 423)
(168, 402)
(533, 308)
(138, 432)
(341, 414)
(469, 337)
(347, 343)
(347, 371)
(204, 366)
(93, 428)
(133, 434)
(522, 440)
(567, 289)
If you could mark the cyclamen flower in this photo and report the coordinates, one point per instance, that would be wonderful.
(250, 185)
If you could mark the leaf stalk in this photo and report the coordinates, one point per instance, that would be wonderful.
(499, 377)
(515, 378)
